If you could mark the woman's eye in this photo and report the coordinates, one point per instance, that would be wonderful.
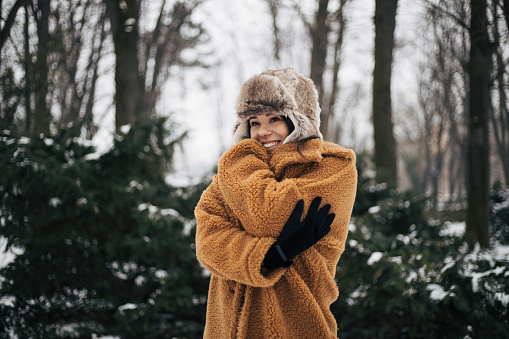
(274, 119)
(254, 123)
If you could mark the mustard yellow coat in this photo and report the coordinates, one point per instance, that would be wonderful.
(241, 214)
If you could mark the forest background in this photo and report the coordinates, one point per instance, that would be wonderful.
(113, 114)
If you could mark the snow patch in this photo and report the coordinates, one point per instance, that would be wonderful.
(476, 276)
(161, 274)
(352, 228)
(447, 266)
(125, 128)
(127, 306)
(374, 209)
(438, 292)
(502, 251)
(374, 258)
(54, 202)
(24, 141)
(93, 156)
(7, 301)
(456, 229)
(503, 298)
(7, 255)
(396, 260)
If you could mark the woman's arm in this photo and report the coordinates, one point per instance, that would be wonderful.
(263, 204)
(225, 248)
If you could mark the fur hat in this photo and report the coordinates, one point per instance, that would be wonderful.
(283, 92)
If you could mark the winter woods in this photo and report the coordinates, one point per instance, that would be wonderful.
(95, 99)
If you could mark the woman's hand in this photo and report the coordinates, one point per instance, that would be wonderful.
(297, 236)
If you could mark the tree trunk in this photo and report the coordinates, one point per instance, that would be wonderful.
(88, 116)
(319, 35)
(335, 72)
(500, 125)
(27, 91)
(42, 117)
(385, 144)
(274, 9)
(128, 82)
(480, 66)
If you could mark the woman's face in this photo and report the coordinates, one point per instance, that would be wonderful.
(269, 129)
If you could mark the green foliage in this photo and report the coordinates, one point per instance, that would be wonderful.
(403, 275)
(500, 213)
(104, 244)
(367, 192)
(11, 95)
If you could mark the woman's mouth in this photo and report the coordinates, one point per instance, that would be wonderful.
(270, 146)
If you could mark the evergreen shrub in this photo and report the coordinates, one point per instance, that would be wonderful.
(406, 275)
(500, 213)
(103, 244)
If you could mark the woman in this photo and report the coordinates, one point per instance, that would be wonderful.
(273, 274)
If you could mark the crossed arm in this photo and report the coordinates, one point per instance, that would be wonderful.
(244, 210)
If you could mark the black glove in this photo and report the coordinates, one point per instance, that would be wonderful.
(297, 236)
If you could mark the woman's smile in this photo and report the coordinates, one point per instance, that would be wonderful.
(270, 146)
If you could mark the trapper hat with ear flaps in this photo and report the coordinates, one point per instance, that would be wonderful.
(283, 92)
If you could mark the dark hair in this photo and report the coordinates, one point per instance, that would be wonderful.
(289, 123)
(301, 142)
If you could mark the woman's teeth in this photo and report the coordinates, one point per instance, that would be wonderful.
(271, 144)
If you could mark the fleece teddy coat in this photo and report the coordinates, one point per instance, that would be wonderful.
(241, 214)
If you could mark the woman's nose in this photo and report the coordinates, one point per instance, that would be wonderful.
(265, 130)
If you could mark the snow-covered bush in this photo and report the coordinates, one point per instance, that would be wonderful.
(500, 214)
(103, 243)
(405, 275)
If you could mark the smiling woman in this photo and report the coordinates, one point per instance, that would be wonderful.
(273, 223)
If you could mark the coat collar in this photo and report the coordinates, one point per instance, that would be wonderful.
(288, 154)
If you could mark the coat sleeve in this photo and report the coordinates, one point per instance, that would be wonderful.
(263, 204)
(224, 248)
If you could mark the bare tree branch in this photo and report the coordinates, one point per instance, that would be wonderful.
(337, 62)
(438, 8)
(305, 21)
(274, 8)
(505, 8)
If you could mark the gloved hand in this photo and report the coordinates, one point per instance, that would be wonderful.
(297, 236)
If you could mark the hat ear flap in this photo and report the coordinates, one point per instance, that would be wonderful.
(241, 130)
(301, 130)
